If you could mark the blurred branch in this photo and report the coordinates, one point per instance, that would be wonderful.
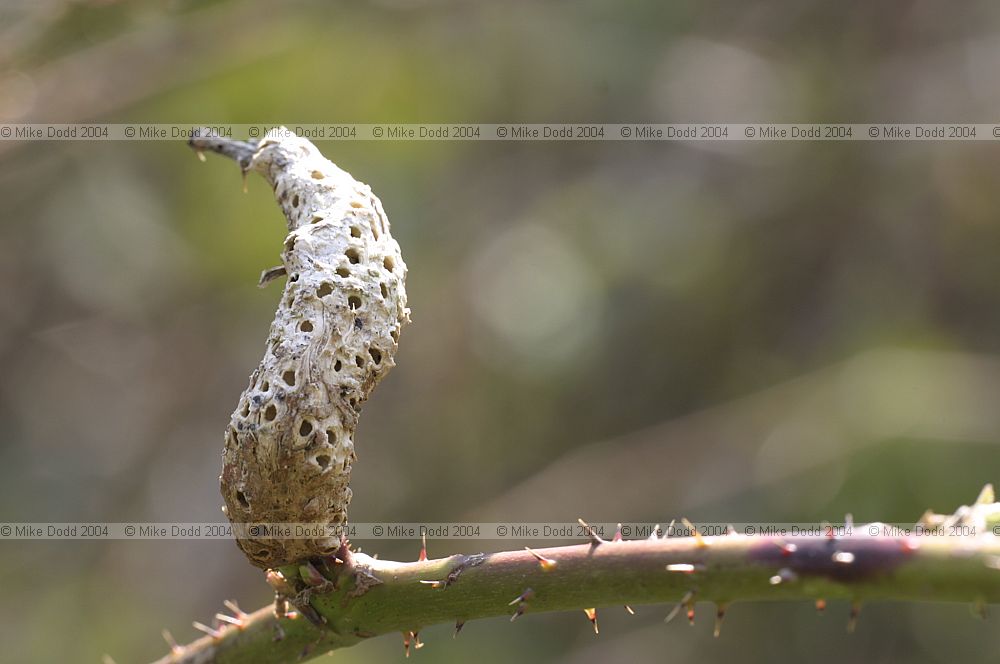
(95, 82)
(765, 438)
(359, 597)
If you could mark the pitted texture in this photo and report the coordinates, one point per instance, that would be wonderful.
(290, 443)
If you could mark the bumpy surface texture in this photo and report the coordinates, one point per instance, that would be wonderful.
(290, 443)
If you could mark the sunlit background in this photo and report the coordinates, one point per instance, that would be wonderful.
(619, 331)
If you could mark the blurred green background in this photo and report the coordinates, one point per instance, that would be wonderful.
(619, 331)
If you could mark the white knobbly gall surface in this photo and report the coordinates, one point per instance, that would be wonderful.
(290, 443)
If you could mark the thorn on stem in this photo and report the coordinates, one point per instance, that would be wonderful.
(698, 539)
(459, 624)
(831, 532)
(214, 633)
(169, 638)
(618, 534)
(686, 568)
(630, 610)
(422, 556)
(688, 596)
(592, 617)
(656, 532)
(522, 603)
(852, 620)
(547, 564)
(986, 496)
(595, 539)
(235, 608)
(719, 615)
(223, 618)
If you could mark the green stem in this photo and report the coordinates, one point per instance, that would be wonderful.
(716, 569)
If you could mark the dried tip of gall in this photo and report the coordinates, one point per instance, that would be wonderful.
(422, 556)
(547, 564)
(719, 615)
(820, 605)
(852, 620)
(595, 540)
(406, 643)
(592, 617)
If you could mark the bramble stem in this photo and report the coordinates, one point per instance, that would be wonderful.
(397, 597)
